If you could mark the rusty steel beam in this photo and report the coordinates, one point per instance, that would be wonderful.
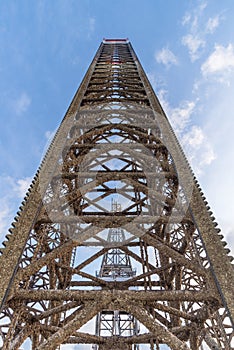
(68, 295)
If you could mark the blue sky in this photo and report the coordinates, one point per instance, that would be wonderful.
(186, 48)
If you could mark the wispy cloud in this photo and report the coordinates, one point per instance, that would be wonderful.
(212, 24)
(192, 18)
(228, 228)
(195, 39)
(91, 26)
(12, 194)
(198, 148)
(186, 19)
(220, 62)
(166, 57)
(21, 103)
(194, 44)
(158, 83)
(179, 116)
(192, 137)
(5, 216)
(49, 135)
(22, 185)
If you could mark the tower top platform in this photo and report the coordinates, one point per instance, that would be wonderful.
(113, 41)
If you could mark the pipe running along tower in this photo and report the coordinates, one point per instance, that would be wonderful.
(115, 146)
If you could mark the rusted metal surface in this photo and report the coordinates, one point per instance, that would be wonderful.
(115, 143)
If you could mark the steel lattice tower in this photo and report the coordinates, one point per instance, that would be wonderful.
(115, 144)
(116, 267)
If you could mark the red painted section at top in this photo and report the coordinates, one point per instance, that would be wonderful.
(111, 41)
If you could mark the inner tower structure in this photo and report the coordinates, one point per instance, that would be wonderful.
(116, 266)
(115, 144)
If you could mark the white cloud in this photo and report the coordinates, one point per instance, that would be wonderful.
(5, 215)
(186, 19)
(49, 135)
(229, 230)
(199, 27)
(194, 45)
(166, 56)
(212, 24)
(12, 194)
(198, 149)
(22, 186)
(153, 79)
(220, 61)
(202, 6)
(156, 81)
(195, 137)
(192, 138)
(179, 116)
(17, 187)
(22, 103)
(192, 18)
